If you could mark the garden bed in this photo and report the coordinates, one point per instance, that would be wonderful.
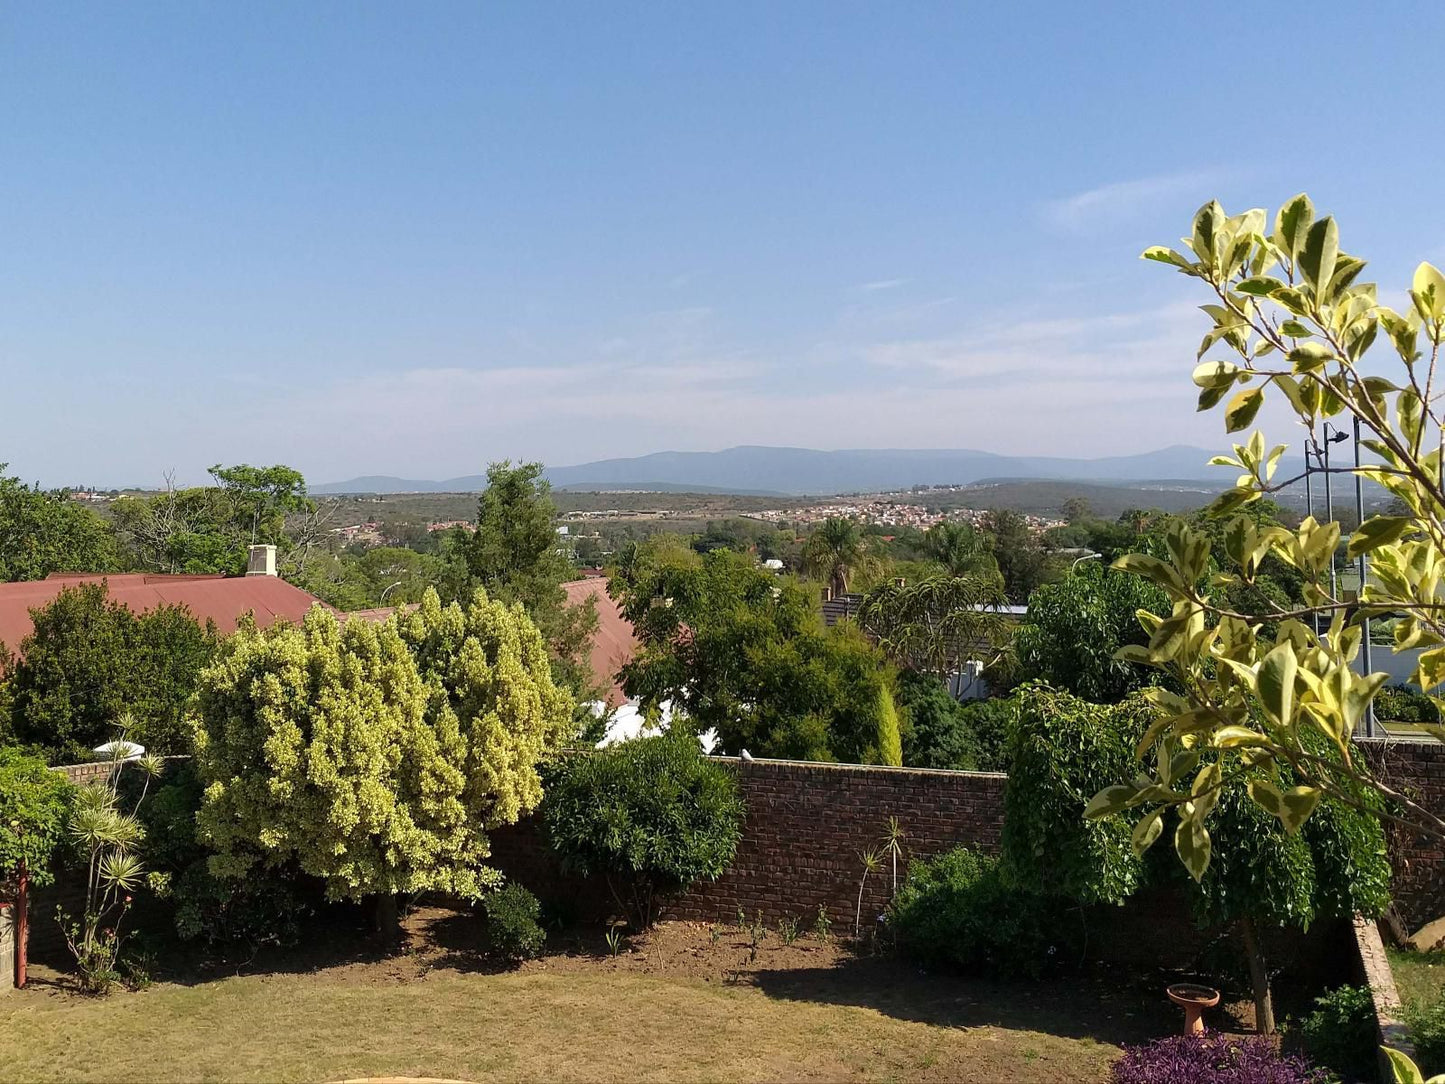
(683, 1003)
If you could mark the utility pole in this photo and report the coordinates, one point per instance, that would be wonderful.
(1363, 572)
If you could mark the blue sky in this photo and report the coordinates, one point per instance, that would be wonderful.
(413, 238)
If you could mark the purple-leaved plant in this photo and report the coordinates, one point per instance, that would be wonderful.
(1212, 1059)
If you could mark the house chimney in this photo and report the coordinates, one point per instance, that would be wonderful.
(262, 561)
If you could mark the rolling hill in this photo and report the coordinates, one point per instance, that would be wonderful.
(756, 469)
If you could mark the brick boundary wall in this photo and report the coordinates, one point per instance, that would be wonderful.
(1416, 769)
(807, 826)
(808, 823)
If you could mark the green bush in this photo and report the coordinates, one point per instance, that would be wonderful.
(513, 931)
(1402, 704)
(1340, 1032)
(34, 806)
(991, 723)
(652, 815)
(266, 907)
(1426, 1020)
(89, 660)
(937, 734)
(956, 908)
(1060, 751)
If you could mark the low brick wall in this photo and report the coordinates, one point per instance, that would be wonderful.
(808, 823)
(807, 826)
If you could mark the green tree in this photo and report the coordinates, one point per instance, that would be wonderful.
(1018, 551)
(381, 576)
(937, 624)
(1075, 628)
(44, 531)
(516, 555)
(1065, 749)
(890, 738)
(652, 816)
(90, 661)
(376, 756)
(834, 552)
(745, 652)
(1260, 690)
(34, 806)
(938, 732)
(263, 496)
(209, 529)
(960, 549)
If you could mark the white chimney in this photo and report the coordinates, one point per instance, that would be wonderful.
(262, 562)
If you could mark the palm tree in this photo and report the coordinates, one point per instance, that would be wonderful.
(958, 548)
(936, 624)
(835, 551)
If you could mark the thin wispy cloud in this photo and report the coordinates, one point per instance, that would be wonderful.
(1112, 202)
(1148, 344)
(880, 284)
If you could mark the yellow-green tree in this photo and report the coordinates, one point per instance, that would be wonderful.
(1265, 704)
(375, 756)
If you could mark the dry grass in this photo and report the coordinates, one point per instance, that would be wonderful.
(686, 1006)
(529, 1026)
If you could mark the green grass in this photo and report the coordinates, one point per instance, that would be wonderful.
(343, 1023)
(1419, 976)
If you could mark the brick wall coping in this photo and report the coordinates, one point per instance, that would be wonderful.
(829, 765)
(101, 767)
(1375, 966)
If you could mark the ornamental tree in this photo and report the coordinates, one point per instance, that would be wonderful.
(652, 816)
(1074, 629)
(745, 652)
(375, 756)
(1065, 749)
(34, 804)
(1265, 704)
(937, 624)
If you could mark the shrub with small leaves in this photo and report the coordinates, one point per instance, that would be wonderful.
(1340, 1032)
(1212, 1059)
(1402, 704)
(955, 908)
(652, 815)
(513, 931)
(1426, 1020)
(34, 804)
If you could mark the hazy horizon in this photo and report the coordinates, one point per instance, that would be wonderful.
(374, 240)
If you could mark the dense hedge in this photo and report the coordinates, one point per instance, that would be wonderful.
(652, 816)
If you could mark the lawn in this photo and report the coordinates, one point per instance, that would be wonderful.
(685, 1005)
(1419, 976)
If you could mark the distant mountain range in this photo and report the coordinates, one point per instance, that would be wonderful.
(802, 471)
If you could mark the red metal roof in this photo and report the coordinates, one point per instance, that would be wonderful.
(222, 599)
(615, 642)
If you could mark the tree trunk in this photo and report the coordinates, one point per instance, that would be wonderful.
(1259, 979)
(386, 916)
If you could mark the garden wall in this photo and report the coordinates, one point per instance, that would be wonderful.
(1417, 769)
(807, 825)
